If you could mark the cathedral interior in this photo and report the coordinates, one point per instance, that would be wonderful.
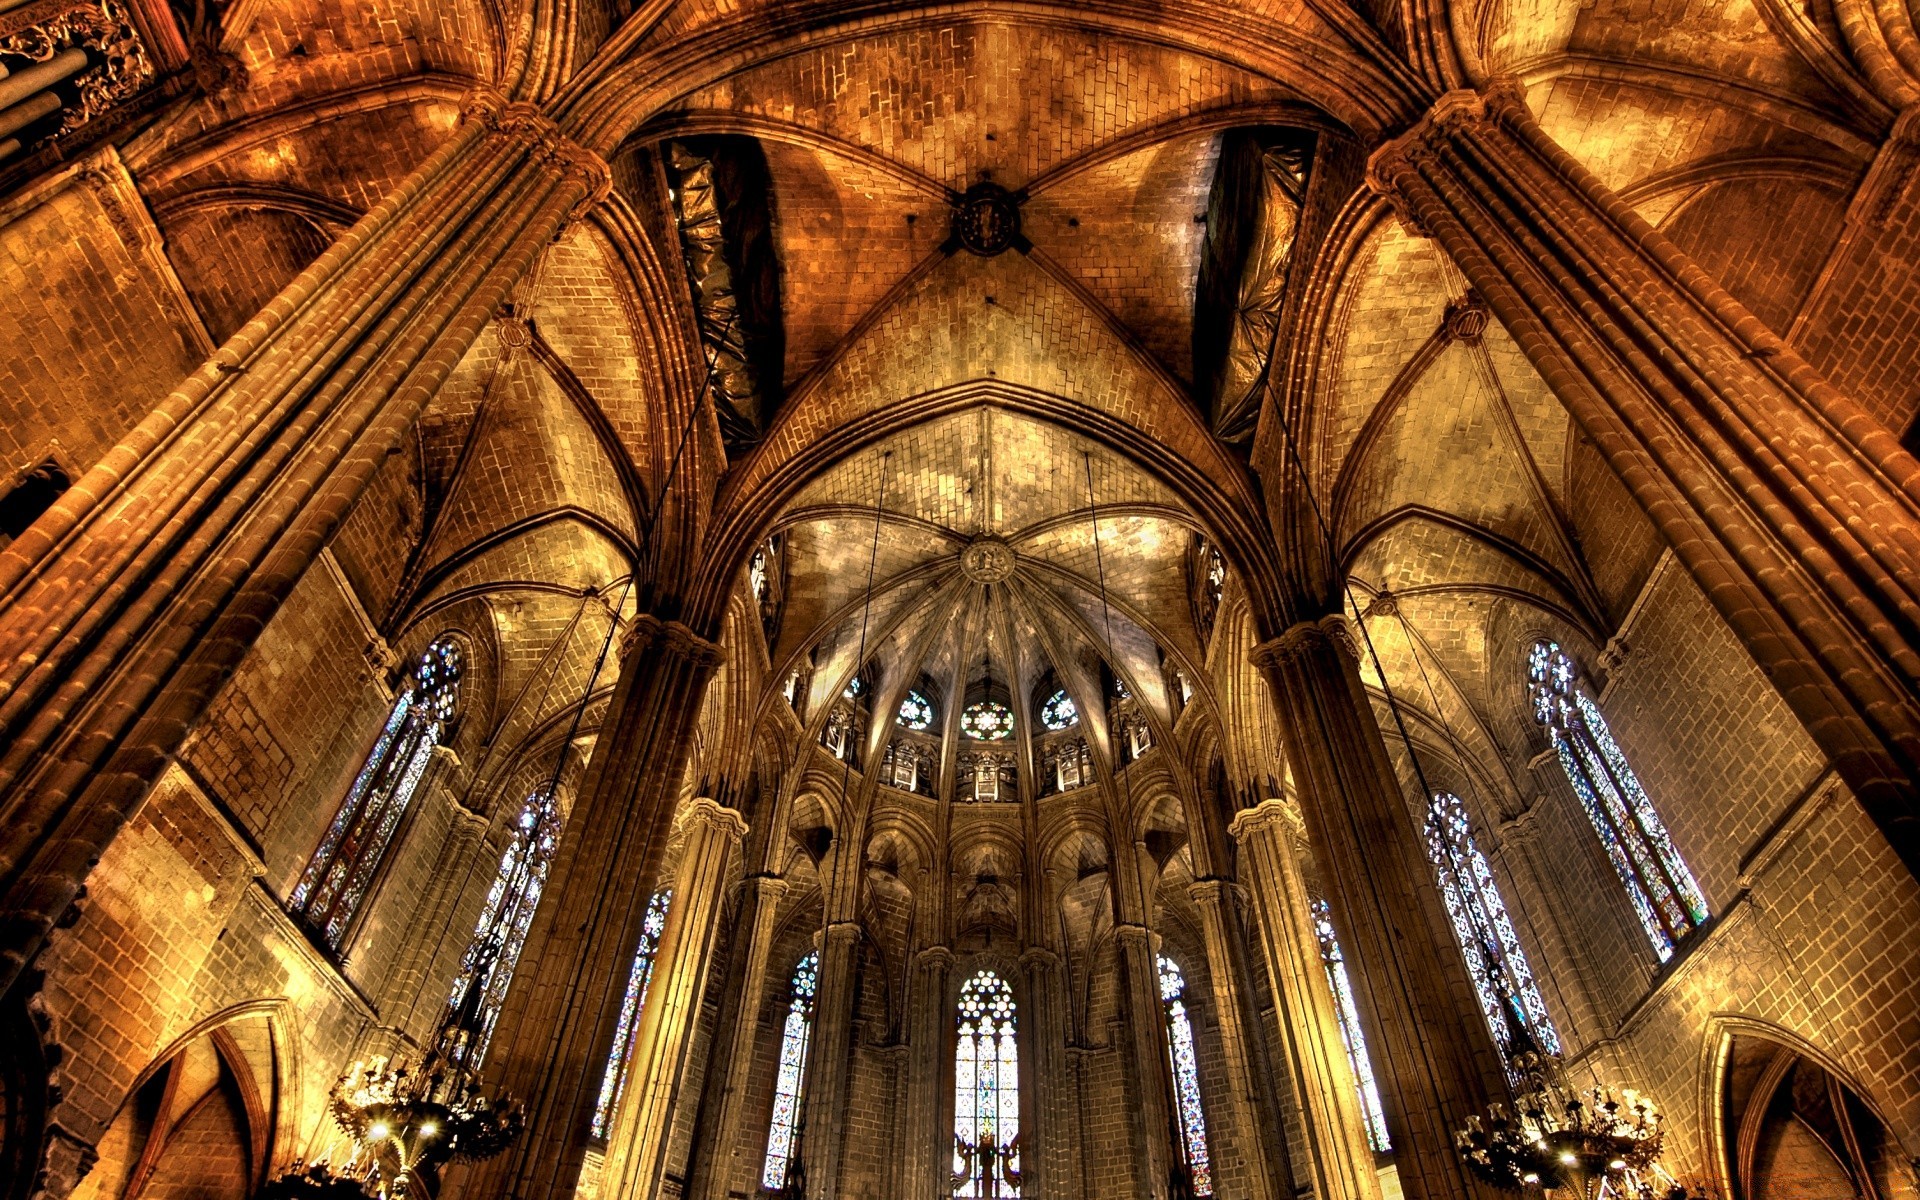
(841, 600)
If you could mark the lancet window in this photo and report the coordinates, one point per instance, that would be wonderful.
(343, 867)
(792, 1078)
(1664, 894)
(1348, 1015)
(1185, 1062)
(613, 1080)
(1494, 957)
(986, 1092)
(487, 967)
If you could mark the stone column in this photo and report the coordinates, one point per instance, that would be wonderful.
(1250, 1109)
(1432, 1054)
(558, 1024)
(1796, 511)
(127, 605)
(929, 1137)
(1146, 1053)
(1047, 1155)
(636, 1149)
(829, 1057)
(1341, 1158)
(719, 1161)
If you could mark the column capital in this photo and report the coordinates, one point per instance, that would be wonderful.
(704, 810)
(1301, 639)
(648, 631)
(1212, 891)
(1039, 957)
(934, 958)
(1271, 813)
(843, 931)
(491, 108)
(766, 887)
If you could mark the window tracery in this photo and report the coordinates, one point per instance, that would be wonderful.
(987, 721)
(1185, 1062)
(1059, 712)
(792, 1077)
(343, 866)
(613, 1081)
(986, 1092)
(1664, 895)
(487, 967)
(916, 711)
(1348, 1014)
(1495, 958)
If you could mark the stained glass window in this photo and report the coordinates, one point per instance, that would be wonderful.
(916, 711)
(988, 721)
(793, 1072)
(1349, 1015)
(487, 967)
(1498, 964)
(986, 1092)
(343, 866)
(1186, 1078)
(1059, 711)
(1657, 880)
(613, 1080)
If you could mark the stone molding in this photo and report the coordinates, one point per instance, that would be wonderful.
(1268, 813)
(716, 817)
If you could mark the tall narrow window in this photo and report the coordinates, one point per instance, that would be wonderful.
(486, 969)
(613, 1081)
(793, 1073)
(1349, 1015)
(986, 1092)
(1657, 880)
(1186, 1078)
(1498, 964)
(343, 867)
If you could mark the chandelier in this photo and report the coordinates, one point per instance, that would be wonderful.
(406, 1123)
(1597, 1143)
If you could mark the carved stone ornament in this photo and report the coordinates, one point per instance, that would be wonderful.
(987, 560)
(106, 31)
(987, 220)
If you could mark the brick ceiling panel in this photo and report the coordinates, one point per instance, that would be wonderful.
(1399, 291)
(582, 309)
(993, 318)
(1131, 231)
(533, 453)
(848, 232)
(1446, 449)
(565, 554)
(1625, 133)
(972, 100)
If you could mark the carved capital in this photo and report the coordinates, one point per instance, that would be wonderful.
(1273, 813)
(1302, 639)
(1390, 166)
(680, 641)
(1039, 958)
(934, 958)
(713, 816)
(544, 138)
(1211, 891)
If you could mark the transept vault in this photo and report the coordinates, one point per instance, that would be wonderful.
(811, 599)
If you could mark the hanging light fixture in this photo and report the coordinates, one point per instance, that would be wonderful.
(406, 1123)
(1600, 1144)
